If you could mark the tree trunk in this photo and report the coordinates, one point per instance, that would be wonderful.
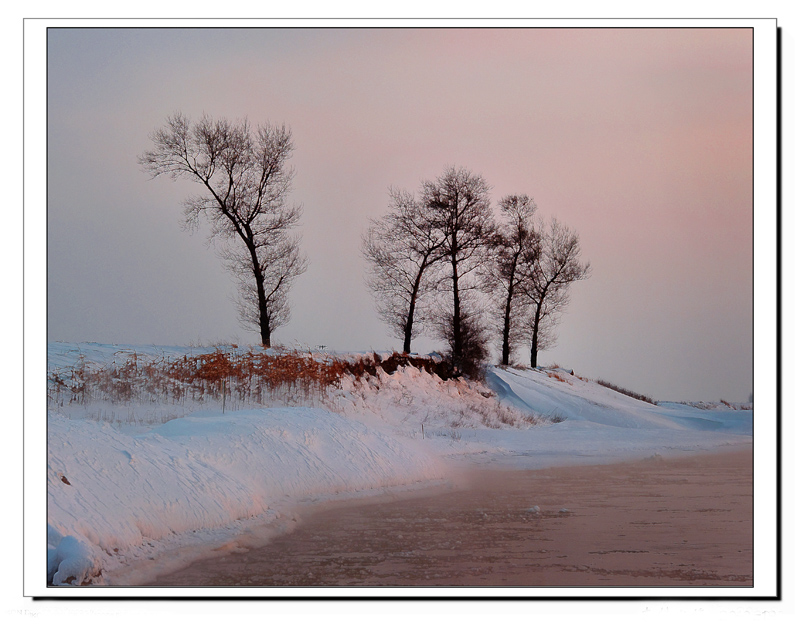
(457, 342)
(506, 353)
(535, 336)
(408, 330)
(263, 317)
(263, 314)
(407, 333)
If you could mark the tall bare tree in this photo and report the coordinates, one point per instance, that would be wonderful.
(245, 181)
(549, 276)
(401, 248)
(461, 212)
(515, 243)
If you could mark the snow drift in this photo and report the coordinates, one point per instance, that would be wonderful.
(128, 499)
(119, 494)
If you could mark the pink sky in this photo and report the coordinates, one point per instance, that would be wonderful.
(640, 139)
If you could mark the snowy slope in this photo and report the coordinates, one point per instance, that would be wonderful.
(579, 399)
(119, 494)
(603, 425)
(128, 500)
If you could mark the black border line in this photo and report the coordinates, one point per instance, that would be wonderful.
(779, 470)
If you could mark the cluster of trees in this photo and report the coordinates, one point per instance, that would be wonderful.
(440, 260)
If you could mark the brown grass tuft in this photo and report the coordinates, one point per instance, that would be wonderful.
(626, 392)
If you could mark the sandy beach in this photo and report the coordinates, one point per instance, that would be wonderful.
(657, 522)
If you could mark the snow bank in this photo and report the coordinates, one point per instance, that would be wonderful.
(579, 399)
(113, 496)
(125, 500)
(534, 419)
(601, 425)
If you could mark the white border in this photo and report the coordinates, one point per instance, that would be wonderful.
(765, 298)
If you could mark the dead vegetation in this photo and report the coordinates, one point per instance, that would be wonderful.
(228, 375)
(626, 392)
(722, 404)
(137, 388)
(557, 376)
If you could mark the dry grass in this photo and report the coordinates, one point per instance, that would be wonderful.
(747, 406)
(230, 376)
(136, 389)
(494, 415)
(557, 376)
(626, 392)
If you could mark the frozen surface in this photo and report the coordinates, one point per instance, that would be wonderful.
(147, 486)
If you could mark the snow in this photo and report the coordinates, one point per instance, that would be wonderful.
(140, 488)
(128, 493)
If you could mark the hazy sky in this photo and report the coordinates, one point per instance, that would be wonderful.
(639, 139)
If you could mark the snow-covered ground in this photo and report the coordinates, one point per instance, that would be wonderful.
(138, 488)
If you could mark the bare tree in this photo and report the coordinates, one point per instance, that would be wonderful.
(245, 182)
(549, 276)
(401, 248)
(460, 210)
(516, 241)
